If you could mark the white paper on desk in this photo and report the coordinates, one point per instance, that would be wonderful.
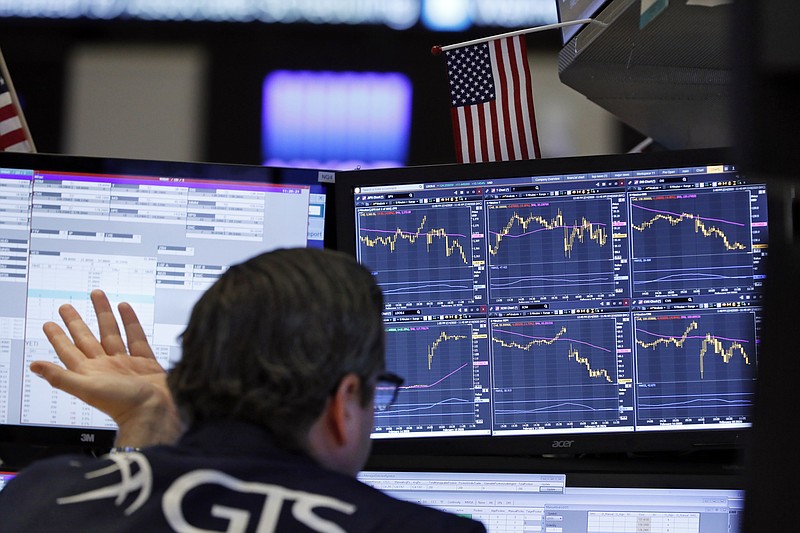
(708, 3)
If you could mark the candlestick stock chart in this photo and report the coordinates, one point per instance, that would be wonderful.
(561, 372)
(550, 248)
(419, 254)
(691, 242)
(444, 366)
(695, 368)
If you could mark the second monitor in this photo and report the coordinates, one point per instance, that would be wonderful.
(606, 303)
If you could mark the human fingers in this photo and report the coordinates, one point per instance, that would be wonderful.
(110, 337)
(50, 372)
(69, 354)
(82, 336)
(137, 340)
(59, 378)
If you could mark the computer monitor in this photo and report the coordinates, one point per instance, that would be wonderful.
(567, 305)
(152, 233)
(509, 502)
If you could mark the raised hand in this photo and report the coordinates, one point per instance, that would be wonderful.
(126, 383)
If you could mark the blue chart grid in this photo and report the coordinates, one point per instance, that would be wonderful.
(695, 367)
(437, 364)
(419, 254)
(550, 248)
(691, 241)
(560, 371)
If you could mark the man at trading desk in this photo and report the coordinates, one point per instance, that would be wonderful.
(282, 369)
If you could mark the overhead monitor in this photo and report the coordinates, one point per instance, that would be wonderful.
(338, 120)
(569, 10)
(587, 304)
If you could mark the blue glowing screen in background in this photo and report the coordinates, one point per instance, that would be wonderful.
(335, 120)
(447, 15)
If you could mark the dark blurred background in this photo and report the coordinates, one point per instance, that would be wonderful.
(192, 89)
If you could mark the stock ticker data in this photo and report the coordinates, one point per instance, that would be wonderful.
(436, 247)
(539, 250)
(615, 301)
(697, 242)
(696, 366)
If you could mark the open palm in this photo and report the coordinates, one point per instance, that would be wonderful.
(125, 382)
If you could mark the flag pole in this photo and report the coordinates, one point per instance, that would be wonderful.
(15, 102)
(436, 50)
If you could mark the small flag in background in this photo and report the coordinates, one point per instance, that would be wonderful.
(14, 135)
(492, 101)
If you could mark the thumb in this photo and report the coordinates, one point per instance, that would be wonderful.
(55, 375)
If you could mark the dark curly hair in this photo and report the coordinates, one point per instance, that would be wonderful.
(270, 340)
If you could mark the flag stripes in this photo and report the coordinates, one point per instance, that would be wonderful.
(14, 136)
(492, 101)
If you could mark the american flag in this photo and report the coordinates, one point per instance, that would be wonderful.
(492, 101)
(14, 136)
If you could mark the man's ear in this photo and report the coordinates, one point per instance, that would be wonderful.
(341, 415)
(339, 438)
